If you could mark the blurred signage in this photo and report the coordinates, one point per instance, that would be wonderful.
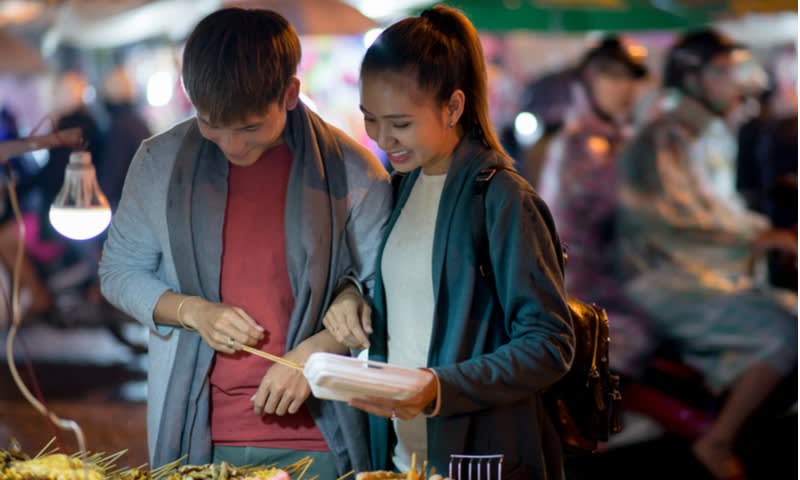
(588, 4)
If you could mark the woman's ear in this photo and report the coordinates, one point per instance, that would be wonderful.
(292, 93)
(455, 107)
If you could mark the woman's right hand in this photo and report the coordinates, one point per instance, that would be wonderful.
(223, 327)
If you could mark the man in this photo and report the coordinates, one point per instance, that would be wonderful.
(686, 239)
(244, 226)
(579, 183)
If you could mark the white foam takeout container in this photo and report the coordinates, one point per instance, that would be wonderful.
(336, 377)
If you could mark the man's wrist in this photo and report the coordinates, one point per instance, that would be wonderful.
(304, 349)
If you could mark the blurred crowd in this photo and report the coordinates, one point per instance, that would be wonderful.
(682, 223)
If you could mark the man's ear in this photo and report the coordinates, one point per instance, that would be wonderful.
(292, 93)
(691, 82)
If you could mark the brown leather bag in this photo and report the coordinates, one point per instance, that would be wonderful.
(585, 403)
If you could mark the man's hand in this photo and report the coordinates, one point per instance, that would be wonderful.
(283, 390)
(223, 327)
(349, 318)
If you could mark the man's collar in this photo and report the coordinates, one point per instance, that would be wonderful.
(688, 110)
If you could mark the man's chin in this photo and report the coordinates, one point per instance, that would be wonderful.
(243, 161)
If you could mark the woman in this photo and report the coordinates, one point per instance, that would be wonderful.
(491, 344)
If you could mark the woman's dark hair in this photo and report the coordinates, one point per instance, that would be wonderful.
(443, 49)
(237, 62)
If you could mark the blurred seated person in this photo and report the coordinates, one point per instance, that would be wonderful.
(768, 177)
(767, 161)
(579, 182)
(45, 248)
(126, 131)
(686, 239)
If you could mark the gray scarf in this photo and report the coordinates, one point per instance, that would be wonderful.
(315, 256)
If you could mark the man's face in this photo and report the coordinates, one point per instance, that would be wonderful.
(614, 90)
(718, 83)
(243, 142)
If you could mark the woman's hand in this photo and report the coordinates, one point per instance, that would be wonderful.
(402, 409)
(349, 318)
(223, 327)
(283, 389)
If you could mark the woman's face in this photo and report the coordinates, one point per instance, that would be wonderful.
(408, 123)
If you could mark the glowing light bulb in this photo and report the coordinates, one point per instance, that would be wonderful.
(160, 86)
(527, 129)
(80, 210)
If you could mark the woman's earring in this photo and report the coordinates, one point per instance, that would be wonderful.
(450, 124)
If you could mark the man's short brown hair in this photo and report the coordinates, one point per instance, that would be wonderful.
(237, 62)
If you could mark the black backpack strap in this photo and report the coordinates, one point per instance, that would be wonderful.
(479, 233)
(484, 177)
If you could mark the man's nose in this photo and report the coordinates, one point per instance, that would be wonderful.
(231, 142)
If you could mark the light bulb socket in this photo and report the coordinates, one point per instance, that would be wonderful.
(80, 187)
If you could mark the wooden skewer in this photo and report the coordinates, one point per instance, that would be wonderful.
(274, 358)
(348, 474)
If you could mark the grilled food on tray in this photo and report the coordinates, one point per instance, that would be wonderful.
(381, 475)
(226, 471)
(48, 464)
(268, 474)
(55, 466)
(411, 474)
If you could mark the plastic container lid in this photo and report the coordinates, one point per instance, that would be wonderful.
(336, 377)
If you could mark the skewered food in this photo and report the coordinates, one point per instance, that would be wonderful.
(267, 474)
(211, 471)
(411, 474)
(48, 464)
(55, 466)
(380, 475)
